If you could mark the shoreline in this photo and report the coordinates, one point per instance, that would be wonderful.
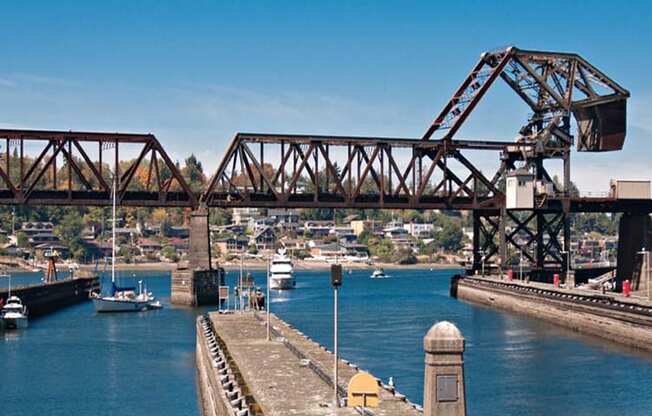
(261, 265)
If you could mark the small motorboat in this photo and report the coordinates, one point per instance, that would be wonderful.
(379, 274)
(14, 314)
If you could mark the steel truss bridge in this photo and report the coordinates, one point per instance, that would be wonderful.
(435, 171)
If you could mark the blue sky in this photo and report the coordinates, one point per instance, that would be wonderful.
(194, 73)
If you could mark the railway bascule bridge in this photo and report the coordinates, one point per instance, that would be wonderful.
(436, 171)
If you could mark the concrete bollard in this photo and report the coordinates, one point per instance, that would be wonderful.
(443, 387)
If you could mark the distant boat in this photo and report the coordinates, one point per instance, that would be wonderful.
(123, 299)
(13, 314)
(379, 274)
(281, 272)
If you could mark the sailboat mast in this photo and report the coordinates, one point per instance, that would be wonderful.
(115, 179)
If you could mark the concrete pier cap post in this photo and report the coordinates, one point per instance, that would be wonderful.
(443, 387)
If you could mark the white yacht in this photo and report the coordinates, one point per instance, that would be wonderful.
(14, 314)
(281, 271)
(379, 274)
(123, 299)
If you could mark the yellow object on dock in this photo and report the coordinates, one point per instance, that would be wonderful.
(363, 391)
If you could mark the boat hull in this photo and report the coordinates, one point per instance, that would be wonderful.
(110, 305)
(15, 323)
(282, 284)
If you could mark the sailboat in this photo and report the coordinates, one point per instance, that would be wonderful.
(122, 299)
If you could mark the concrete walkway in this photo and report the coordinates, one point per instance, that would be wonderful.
(279, 380)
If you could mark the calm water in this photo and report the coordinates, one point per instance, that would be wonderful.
(77, 362)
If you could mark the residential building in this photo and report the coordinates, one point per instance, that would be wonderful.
(37, 227)
(284, 219)
(40, 250)
(344, 234)
(395, 232)
(148, 247)
(318, 229)
(232, 244)
(356, 252)
(419, 230)
(359, 226)
(329, 251)
(178, 232)
(241, 216)
(181, 245)
(43, 238)
(265, 239)
(256, 224)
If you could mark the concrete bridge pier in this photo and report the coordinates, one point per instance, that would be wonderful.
(633, 235)
(197, 283)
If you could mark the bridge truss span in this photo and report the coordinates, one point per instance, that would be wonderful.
(79, 168)
(263, 170)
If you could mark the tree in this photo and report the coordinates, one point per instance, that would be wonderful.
(169, 253)
(193, 173)
(22, 240)
(405, 256)
(381, 248)
(69, 230)
(252, 249)
(450, 237)
(364, 237)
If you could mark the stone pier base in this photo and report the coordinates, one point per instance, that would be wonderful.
(196, 287)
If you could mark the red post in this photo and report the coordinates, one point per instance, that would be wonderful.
(510, 275)
(626, 288)
(555, 279)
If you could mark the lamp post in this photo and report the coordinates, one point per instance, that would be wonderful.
(645, 254)
(268, 301)
(336, 282)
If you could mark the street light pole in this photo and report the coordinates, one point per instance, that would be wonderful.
(645, 254)
(268, 302)
(336, 282)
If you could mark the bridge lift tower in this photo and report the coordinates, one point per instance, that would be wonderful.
(557, 87)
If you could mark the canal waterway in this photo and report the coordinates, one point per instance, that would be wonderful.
(78, 362)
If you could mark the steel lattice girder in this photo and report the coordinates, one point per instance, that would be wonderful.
(352, 172)
(554, 86)
(535, 236)
(29, 174)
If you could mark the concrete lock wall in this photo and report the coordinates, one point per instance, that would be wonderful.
(212, 397)
(196, 287)
(590, 320)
